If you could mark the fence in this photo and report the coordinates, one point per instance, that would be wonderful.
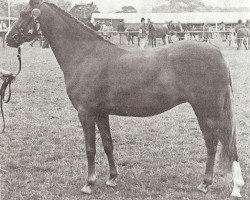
(2, 35)
(189, 35)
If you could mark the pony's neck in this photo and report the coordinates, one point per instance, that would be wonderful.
(70, 41)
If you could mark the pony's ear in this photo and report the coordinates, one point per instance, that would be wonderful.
(24, 13)
(34, 3)
(35, 13)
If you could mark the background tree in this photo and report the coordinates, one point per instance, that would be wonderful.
(65, 5)
(179, 6)
(83, 12)
(127, 9)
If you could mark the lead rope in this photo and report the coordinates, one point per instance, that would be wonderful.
(7, 80)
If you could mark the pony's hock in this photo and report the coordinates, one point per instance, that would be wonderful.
(102, 80)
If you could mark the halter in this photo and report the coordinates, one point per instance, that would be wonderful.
(20, 32)
(7, 80)
(20, 29)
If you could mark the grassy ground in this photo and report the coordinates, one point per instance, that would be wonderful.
(161, 157)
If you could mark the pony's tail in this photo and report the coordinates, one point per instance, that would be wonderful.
(228, 133)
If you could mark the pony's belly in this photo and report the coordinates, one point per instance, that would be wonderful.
(143, 112)
(140, 109)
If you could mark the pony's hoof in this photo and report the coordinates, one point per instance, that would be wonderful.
(203, 187)
(236, 194)
(86, 189)
(235, 197)
(111, 183)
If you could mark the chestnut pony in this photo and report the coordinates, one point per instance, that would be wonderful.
(102, 80)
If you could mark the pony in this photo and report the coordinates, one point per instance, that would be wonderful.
(131, 33)
(102, 79)
(243, 36)
(161, 33)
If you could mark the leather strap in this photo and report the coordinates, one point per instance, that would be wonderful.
(7, 80)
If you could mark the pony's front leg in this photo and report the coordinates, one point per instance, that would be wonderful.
(239, 42)
(102, 122)
(88, 125)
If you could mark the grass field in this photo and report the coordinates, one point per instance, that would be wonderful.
(161, 157)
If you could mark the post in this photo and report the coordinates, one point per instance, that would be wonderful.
(9, 12)
(3, 40)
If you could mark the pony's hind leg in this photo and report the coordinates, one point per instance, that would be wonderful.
(88, 124)
(239, 42)
(102, 122)
(217, 123)
(245, 42)
(208, 128)
(229, 155)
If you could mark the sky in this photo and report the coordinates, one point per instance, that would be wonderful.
(145, 5)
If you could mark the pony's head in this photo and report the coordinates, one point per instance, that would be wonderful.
(27, 27)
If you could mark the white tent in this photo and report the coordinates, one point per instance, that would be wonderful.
(192, 17)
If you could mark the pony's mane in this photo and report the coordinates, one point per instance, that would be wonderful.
(76, 21)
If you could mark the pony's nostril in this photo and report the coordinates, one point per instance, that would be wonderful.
(15, 37)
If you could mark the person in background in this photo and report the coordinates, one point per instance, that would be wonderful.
(151, 33)
(142, 34)
(247, 25)
(110, 30)
(231, 37)
(38, 36)
(205, 35)
(239, 26)
(222, 27)
(166, 31)
(179, 31)
(98, 26)
(120, 30)
(3, 26)
(103, 30)
(241, 33)
(171, 29)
